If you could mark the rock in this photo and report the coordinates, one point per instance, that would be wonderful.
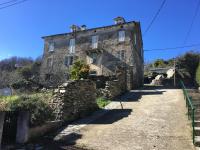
(159, 77)
(170, 73)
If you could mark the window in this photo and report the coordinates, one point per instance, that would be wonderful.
(49, 62)
(47, 77)
(121, 35)
(121, 55)
(94, 42)
(51, 47)
(69, 60)
(135, 39)
(72, 46)
(93, 73)
(93, 58)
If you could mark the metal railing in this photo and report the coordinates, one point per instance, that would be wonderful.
(190, 108)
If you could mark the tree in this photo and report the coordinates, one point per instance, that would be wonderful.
(159, 63)
(198, 75)
(189, 62)
(79, 70)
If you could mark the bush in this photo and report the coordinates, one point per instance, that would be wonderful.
(22, 84)
(79, 70)
(102, 102)
(189, 63)
(198, 75)
(39, 109)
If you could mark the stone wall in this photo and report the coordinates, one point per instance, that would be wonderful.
(116, 87)
(74, 99)
(113, 89)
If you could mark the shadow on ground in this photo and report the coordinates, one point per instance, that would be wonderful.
(135, 95)
(117, 114)
(111, 116)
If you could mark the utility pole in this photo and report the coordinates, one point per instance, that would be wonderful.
(174, 72)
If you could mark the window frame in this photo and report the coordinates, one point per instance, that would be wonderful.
(119, 55)
(49, 62)
(72, 46)
(95, 39)
(135, 39)
(69, 60)
(51, 47)
(121, 36)
(93, 56)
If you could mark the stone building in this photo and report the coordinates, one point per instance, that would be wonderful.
(103, 48)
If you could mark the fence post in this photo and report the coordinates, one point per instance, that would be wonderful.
(22, 127)
(193, 135)
(2, 116)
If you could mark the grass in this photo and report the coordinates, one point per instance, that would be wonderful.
(6, 100)
(102, 102)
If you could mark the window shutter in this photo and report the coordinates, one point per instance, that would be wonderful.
(121, 36)
(135, 38)
(94, 41)
(72, 46)
(51, 47)
(66, 61)
(122, 55)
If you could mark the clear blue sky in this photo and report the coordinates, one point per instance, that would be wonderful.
(23, 25)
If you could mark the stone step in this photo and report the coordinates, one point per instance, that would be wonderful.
(197, 141)
(197, 111)
(197, 117)
(197, 123)
(196, 105)
(197, 131)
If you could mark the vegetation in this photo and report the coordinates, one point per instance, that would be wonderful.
(186, 64)
(189, 63)
(102, 102)
(79, 70)
(160, 63)
(20, 73)
(36, 104)
(198, 75)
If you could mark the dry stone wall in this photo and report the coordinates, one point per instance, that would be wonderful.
(74, 99)
(114, 88)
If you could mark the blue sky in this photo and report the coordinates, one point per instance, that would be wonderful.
(23, 25)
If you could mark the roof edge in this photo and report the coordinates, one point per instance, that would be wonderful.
(43, 37)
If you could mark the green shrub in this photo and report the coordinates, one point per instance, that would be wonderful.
(79, 70)
(198, 75)
(39, 110)
(22, 84)
(102, 102)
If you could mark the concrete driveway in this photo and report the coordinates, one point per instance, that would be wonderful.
(151, 119)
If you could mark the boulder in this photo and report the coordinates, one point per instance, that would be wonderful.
(170, 73)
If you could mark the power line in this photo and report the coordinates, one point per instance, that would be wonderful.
(172, 48)
(154, 18)
(8, 2)
(19, 2)
(193, 19)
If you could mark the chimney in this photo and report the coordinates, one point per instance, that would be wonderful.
(83, 27)
(119, 20)
(74, 28)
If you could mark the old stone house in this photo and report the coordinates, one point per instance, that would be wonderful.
(103, 48)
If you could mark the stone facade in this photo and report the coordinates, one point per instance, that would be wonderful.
(74, 99)
(103, 48)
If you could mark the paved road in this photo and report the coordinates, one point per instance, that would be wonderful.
(152, 119)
